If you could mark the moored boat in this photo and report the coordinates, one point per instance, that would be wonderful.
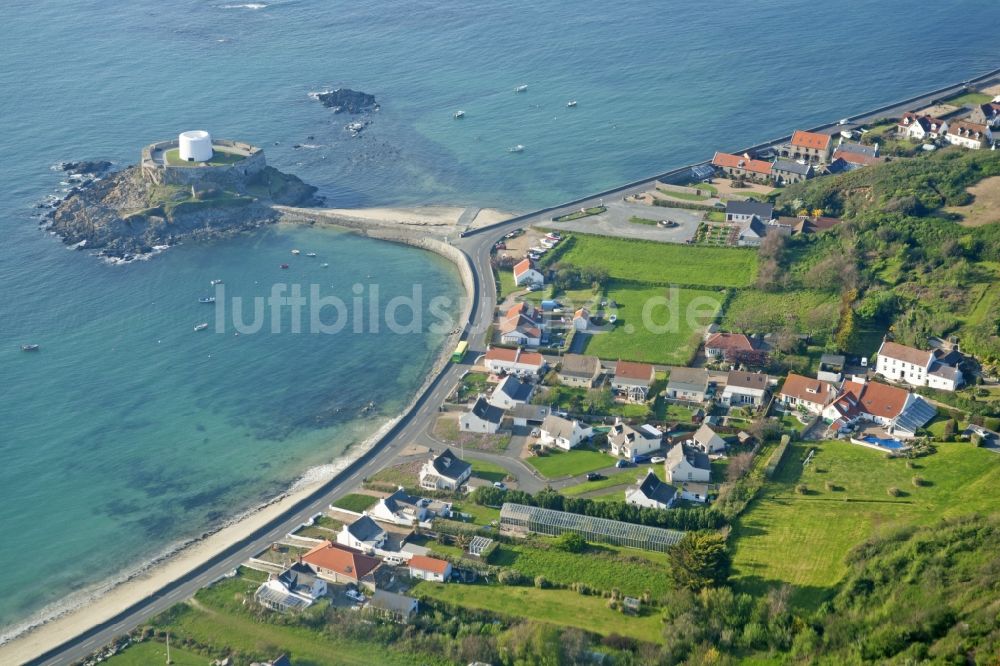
(215, 282)
(516, 149)
(458, 114)
(296, 252)
(207, 299)
(521, 88)
(30, 348)
(571, 103)
(202, 326)
(284, 265)
(310, 254)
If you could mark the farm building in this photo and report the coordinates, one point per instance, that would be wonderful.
(519, 520)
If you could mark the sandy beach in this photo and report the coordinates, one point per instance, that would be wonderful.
(91, 607)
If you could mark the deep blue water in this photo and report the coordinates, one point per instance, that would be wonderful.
(129, 431)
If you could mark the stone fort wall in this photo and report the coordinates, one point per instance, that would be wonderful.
(165, 174)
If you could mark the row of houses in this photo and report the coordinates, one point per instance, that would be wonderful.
(974, 131)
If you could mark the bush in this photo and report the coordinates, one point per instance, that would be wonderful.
(542, 583)
(570, 542)
(893, 491)
(919, 481)
(802, 489)
(510, 577)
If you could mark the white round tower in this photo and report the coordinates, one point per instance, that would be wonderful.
(195, 146)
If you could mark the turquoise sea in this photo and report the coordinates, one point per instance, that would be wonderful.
(129, 431)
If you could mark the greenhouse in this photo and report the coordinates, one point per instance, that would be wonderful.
(519, 519)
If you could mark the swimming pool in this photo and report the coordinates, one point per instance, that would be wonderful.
(882, 442)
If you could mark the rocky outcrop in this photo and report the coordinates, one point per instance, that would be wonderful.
(125, 214)
(345, 99)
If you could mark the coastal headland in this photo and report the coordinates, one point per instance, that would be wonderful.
(67, 638)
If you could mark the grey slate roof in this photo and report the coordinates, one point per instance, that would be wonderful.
(688, 379)
(945, 371)
(762, 210)
(531, 412)
(791, 166)
(298, 576)
(487, 412)
(392, 602)
(515, 389)
(400, 499)
(858, 148)
(450, 466)
(579, 365)
(365, 529)
(657, 490)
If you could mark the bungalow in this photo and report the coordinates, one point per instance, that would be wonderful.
(521, 325)
(854, 156)
(445, 472)
(810, 146)
(429, 568)
(525, 273)
(902, 413)
(400, 508)
(581, 319)
(579, 371)
(631, 381)
(524, 415)
(986, 114)
(745, 211)
(684, 464)
(920, 128)
(511, 392)
(727, 345)
(708, 440)
(969, 135)
(296, 588)
(688, 384)
(563, 433)
(787, 172)
(502, 361)
(651, 493)
(364, 534)
(742, 165)
(694, 492)
(900, 363)
(745, 388)
(341, 564)
(810, 394)
(482, 418)
(391, 606)
(628, 442)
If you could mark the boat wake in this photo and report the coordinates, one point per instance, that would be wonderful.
(246, 5)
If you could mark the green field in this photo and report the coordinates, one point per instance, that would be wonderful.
(154, 652)
(755, 311)
(569, 463)
(662, 263)
(802, 540)
(355, 502)
(561, 607)
(970, 98)
(219, 158)
(669, 332)
(488, 471)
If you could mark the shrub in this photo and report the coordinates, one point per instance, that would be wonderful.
(802, 489)
(919, 481)
(893, 491)
(542, 583)
(570, 542)
(510, 577)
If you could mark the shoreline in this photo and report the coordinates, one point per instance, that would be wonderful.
(61, 621)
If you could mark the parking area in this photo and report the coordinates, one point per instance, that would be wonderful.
(616, 222)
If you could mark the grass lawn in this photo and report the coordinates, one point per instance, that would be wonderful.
(684, 196)
(715, 216)
(802, 540)
(669, 411)
(472, 385)
(756, 311)
(488, 471)
(620, 480)
(570, 463)
(481, 515)
(219, 158)
(969, 98)
(154, 652)
(560, 607)
(404, 474)
(586, 212)
(446, 430)
(662, 263)
(355, 502)
(635, 219)
(670, 330)
(507, 285)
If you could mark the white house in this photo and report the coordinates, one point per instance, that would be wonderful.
(521, 325)
(745, 388)
(631, 381)
(510, 393)
(563, 433)
(579, 371)
(581, 319)
(920, 128)
(688, 384)
(429, 568)
(651, 493)
(525, 273)
(745, 211)
(445, 472)
(483, 418)
(694, 492)
(685, 464)
(969, 135)
(363, 534)
(708, 440)
(900, 412)
(629, 442)
(514, 362)
(296, 588)
(400, 508)
(908, 365)
(806, 393)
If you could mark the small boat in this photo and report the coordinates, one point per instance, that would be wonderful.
(202, 326)
(30, 347)
(284, 265)
(516, 149)
(571, 103)
(521, 88)
(310, 254)
(458, 114)
(324, 265)
(207, 299)
(296, 252)
(215, 282)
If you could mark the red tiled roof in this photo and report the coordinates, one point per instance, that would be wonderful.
(515, 355)
(855, 158)
(341, 559)
(883, 400)
(807, 389)
(906, 354)
(811, 140)
(729, 342)
(727, 161)
(966, 129)
(630, 370)
(431, 564)
(522, 266)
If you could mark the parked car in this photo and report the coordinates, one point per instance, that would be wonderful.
(594, 476)
(535, 432)
(621, 464)
(499, 485)
(355, 595)
(657, 460)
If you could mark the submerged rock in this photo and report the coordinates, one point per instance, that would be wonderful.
(351, 101)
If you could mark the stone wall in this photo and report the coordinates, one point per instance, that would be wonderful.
(158, 173)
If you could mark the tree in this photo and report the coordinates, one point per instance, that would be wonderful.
(739, 465)
(570, 542)
(699, 560)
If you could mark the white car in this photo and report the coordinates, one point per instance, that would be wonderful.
(657, 459)
(499, 485)
(535, 432)
(355, 595)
